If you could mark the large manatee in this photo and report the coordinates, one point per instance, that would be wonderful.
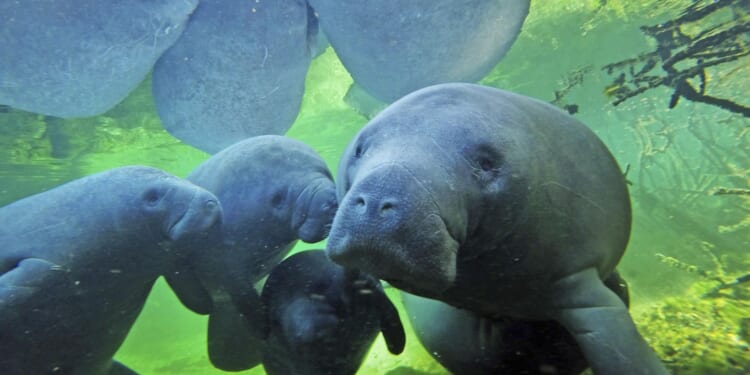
(275, 191)
(237, 71)
(78, 261)
(73, 58)
(496, 203)
(322, 318)
(393, 47)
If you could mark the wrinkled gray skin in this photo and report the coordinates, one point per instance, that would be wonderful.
(74, 58)
(78, 262)
(496, 203)
(393, 47)
(322, 319)
(468, 344)
(237, 71)
(274, 190)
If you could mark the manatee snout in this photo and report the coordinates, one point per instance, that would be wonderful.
(389, 225)
(202, 213)
(314, 216)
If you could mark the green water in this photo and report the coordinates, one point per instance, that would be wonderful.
(684, 238)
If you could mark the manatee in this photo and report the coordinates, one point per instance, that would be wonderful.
(468, 344)
(74, 58)
(394, 47)
(237, 71)
(322, 318)
(275, 191)
(79, 260)
(495, 203)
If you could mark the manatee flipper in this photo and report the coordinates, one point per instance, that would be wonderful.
(235, 340)
(387, 315)
(390, 323)
(603, 328)
(190, 291)
(617, 284)
(316, 39)
(21, 282)
(120, 369)
(362, 102)
(29, 272)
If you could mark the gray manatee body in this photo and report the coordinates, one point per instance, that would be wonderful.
(237, 71)
(74, 58)
(322, 319)
(468, 344)
(275, 191)
(496, 203)
(79, 260)
(392, 47)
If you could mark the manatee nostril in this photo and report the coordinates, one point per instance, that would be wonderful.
(386, 206)
(360, 202)
(211, 205)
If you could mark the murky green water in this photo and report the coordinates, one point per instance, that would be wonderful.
(685, 240)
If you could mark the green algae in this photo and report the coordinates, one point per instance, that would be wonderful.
(696, 336)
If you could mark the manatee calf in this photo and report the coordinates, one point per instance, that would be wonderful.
(78, 261)
(73, 58)
(468, 344)
(394, 47)
(322, 319)
(274, 190)
(237, 71)
(495, 203)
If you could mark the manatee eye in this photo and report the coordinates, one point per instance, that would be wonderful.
(486, 164)
(277, 199)
(152, 196)
(358, 151)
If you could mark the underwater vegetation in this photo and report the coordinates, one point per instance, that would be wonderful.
(701, 335)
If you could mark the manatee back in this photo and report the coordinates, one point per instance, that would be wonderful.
(80, 58)
(237, 71)
(426, 41)
(577, 212)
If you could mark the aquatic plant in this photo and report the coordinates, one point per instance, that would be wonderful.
(697, 336)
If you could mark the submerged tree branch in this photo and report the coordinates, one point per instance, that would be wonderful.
(714, 45)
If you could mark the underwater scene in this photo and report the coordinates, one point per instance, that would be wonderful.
(139, 200)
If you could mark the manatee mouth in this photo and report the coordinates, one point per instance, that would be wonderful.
(302, 206)
(173, 227)
(327, 229)
(313, 211)
(197, 218)
(427, 269)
